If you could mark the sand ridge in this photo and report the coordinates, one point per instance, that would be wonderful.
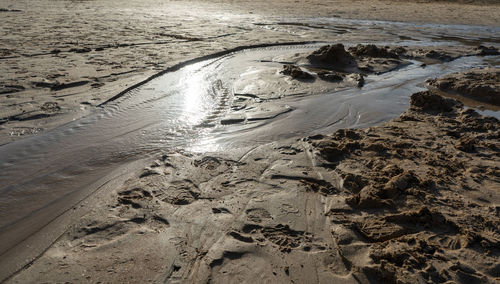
(481, 85)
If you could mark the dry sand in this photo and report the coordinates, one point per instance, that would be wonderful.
(385, 204)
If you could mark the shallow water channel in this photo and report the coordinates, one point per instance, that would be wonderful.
(235, 100)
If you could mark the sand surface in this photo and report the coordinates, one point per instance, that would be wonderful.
(387, 204)
(481, 85)
(59, 59)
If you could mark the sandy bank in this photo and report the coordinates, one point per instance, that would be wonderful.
(479, 85)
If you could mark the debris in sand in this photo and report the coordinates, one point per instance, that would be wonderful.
(359, 78)
(80, 49)
(330, 76)
(295, 72)
(50, 107)
(9, 10)
(57, 86)
(8, 89)
(21, 131)
(432, 55)
(437, 55)
(428, 101)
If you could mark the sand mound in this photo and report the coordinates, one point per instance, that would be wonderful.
(331, 76)
(372, 50)
(295, 72)
(478, 84)
(416, 201)
(332, 55)
(427, 101)
(332, 63)
(361, 59)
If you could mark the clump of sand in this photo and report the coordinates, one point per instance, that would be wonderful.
(332, 56)
(425, 207)
(295, 72)
(482, 85)
(333, 63)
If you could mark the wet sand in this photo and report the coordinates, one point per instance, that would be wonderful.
(388, 203)
(480, 85)
(379, 203)
(81, 53)
(379, 181)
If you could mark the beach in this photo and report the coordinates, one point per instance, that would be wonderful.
(180, 141)
(61, 58)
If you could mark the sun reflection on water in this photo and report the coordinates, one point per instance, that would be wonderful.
(196, 98)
